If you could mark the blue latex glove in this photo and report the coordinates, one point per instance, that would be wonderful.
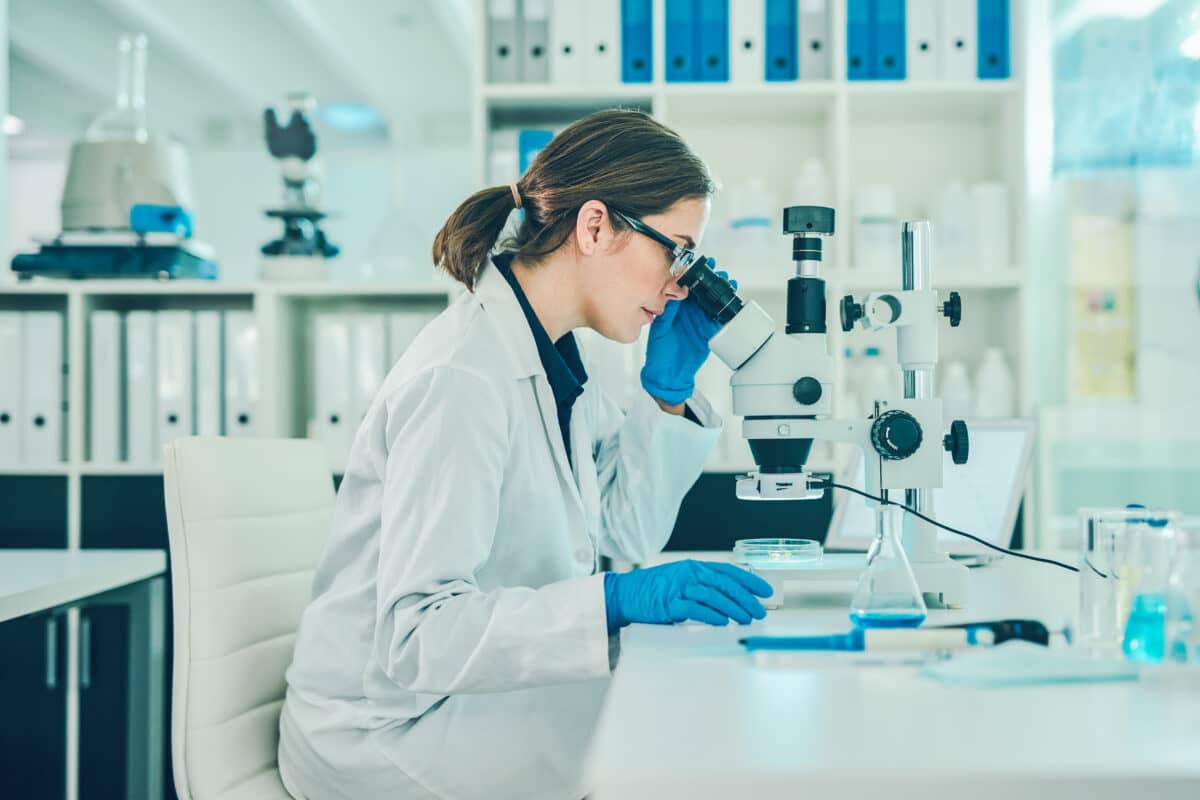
(705, 591)
(677, 348)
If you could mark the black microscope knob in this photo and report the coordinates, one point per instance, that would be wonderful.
(852, 312)
(952, 308)
(807, 391)
(896, 435)
(957, 442)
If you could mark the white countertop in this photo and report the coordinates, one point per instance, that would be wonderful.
(691, 715)
(36, 580)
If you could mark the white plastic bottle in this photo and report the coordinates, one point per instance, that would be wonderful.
(958, 401)
(876, 228)
(752, 229)
(879, 379)
(990, 209)
(954, 227)
(848, 404)
(994, 392)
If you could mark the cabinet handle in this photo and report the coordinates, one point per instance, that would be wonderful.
(85, 652)
(51, 653)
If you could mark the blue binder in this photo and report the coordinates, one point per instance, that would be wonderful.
(680, 53)
(530, 142)
(889, 47)
(783, 63)
(860, 65)
(712, 18)
(637, 41)
(992, 48)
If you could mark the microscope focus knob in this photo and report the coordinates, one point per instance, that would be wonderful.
(852, 312)
(896, 435)
(807, 391)
(957, 442)
(952, 309)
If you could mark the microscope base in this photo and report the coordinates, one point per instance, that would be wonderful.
(943, 582)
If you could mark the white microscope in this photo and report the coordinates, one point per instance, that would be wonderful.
(783, 389)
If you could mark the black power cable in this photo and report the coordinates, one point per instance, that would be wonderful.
(934, 522)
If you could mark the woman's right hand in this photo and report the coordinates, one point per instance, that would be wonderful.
(705, 591)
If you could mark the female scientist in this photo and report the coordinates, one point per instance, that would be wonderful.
(460, 639)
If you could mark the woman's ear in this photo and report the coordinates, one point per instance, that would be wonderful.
(593, 228)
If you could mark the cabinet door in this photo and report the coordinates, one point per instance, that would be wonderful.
(33, 710)
(118, 512)
(33, 707)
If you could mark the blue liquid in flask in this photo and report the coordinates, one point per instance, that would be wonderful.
(884, 619)
(1145, 634)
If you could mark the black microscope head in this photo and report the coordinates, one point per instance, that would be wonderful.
(808, 221)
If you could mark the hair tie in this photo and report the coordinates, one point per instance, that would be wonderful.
(516, 195)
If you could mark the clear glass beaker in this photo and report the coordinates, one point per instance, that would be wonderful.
(887, 595)
(1183, 602)
(1125, 558)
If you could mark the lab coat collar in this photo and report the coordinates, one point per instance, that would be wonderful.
(494, 293)
(497, 297)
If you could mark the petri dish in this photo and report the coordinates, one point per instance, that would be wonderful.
(776, 553)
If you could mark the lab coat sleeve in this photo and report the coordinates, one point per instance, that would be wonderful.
(646, 461)
(437, 632)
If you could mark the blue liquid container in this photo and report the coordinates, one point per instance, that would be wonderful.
(882, 619)
(1145, 632)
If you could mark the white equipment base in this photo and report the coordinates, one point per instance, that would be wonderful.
(943, 583)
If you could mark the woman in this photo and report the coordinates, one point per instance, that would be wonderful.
(459, 640)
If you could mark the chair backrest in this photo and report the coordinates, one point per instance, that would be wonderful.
(246, 519)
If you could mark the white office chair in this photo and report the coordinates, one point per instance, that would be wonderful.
(247, 519)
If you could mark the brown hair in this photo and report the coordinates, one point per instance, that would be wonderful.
(626, 159)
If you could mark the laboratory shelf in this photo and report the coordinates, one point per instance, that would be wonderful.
(353, 290)
(905, 100)
(91, 470)
(24, 471)
(37, 286)
(553, 97)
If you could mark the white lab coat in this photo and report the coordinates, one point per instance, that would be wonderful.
(456, 645)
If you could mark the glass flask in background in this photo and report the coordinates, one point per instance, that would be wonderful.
(125, 119)
(887, 595)
(1153, 540)
(1183, 601)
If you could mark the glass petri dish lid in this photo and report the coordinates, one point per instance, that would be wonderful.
(776, 553)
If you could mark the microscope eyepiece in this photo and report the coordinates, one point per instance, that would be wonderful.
(715, 295)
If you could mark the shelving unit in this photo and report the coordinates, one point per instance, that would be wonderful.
(913, 135)
(281, 311)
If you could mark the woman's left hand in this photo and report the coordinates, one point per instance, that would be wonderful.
(677, 348)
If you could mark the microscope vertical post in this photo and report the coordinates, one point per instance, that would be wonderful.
(920, 538)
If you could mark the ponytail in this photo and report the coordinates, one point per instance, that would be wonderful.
(463, 243)
(625, 159)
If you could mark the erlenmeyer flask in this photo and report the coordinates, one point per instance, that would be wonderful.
(887, 595)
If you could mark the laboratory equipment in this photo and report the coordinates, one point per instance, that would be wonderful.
(118, 172)
(771, 553)
(876, 227)
(862, 639)
(982, 497)
(1124, 563)
(887, 595)
(1183, 602)
(1145, 630)
(303, 251)
(782, 387)
(994, 386)
(958, 399)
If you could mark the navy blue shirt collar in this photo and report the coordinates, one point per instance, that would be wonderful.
(561, 360)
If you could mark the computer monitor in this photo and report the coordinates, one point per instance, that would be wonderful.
(980, 497)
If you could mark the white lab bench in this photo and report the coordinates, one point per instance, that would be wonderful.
(35, 581)
(691, 715)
